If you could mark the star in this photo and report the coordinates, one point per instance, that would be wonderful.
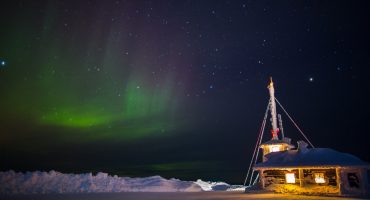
(311, 79)
(3, 63)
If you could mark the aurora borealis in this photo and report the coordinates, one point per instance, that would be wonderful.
(176, 88)
(95, 85)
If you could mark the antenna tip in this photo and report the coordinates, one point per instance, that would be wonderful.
(271, 83)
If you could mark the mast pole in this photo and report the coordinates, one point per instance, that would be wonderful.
(281, 126)
(275, 128)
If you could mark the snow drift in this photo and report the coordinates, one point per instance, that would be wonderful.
(218, 186)
(55, 182)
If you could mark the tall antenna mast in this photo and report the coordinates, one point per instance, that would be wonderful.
(281, 126)
(274, 124)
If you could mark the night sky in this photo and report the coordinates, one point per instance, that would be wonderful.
(177, 88)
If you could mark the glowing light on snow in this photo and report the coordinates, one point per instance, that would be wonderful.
(319, 178)
(290, 178)
(275, 148)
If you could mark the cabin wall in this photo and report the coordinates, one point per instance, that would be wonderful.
(330, 177)
(355, 181)
(341, 180)
(367, 171)
(307, 176)
(277, 176)
(275, 179)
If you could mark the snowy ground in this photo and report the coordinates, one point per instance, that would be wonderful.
(55, 185)
(166, 196)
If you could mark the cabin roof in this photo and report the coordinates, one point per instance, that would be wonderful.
(310, 157)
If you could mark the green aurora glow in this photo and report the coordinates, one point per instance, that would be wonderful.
(111, 96)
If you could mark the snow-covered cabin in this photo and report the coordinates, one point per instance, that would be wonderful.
(314, 170)
(305, 170)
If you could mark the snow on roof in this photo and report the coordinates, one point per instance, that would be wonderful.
(310, 157)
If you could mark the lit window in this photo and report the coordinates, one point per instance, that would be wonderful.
(290, 178)
(275, 148)
(319, 178)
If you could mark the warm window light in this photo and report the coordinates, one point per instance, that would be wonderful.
(319, 178)
(275, 148)
(290, 178)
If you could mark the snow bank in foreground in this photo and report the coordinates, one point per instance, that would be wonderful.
(218, 186)
(56, 182)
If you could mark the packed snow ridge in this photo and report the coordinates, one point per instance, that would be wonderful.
(218, 186)
(55, 182)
